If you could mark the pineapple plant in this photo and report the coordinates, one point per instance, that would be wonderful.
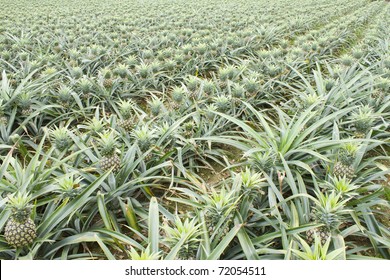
(108, 150)
(262, 161)
(189, 230)
(85, 86)
(107, 76)
(64, 96)
(20, 230)
(363, 121)
(126, 109)
(192, 86)
(24, 102)
(343, 166)
(178, 95)
(156, 106)
(327, 212)
(122, 71)
(144, 136)
(209, 87)
(219, 212)
(222, 102)
(252, 86)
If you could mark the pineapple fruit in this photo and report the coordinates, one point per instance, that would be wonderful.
(126, 110)
(219, 211)
(343, 166)
(363, 121)
(20, 230)
(328, 212)
(110, 157)
(322, 233)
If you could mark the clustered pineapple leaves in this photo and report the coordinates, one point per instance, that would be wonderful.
(252, 134)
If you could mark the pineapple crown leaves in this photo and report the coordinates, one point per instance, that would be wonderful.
(24, 100)
(330, 202)
(317, 251)
(126, 108)
(107, 143)
(329, 208)
(155, 105)
(106, 73)
(146, 254)
(262, 160)
(189, 230)
(251, 179)
(363, 118)
(221, 203)
(20, 206)
(95, 126)
(178, 94)
(61, 138)
(343, 185)
(68, 186)
(144, 135)
(347, 153)
(85, 85)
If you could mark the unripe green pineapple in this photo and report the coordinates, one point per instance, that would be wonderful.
(192, 86)
(126, 109)
(347, 60)
(64, 96)
(262, 161)
(110, 158)
(175, 233)
(238, 91)
(107, 77)
(24, 102)
(20, 230)
(189, 128)
(328, 211)
(131, 61)
(227, 73)
(363, 120)
(144, 70)
(169, 137)
(76, 72)
(252, 86)
(346, 156)
(322, 233)
(219, 212)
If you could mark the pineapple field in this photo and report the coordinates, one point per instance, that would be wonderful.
(182, 130)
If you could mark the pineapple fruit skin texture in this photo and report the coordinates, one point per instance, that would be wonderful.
(322, 233)
(341, 170)
(108, 162)
(20, 234)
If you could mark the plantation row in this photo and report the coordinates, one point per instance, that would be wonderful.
(209, 130)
